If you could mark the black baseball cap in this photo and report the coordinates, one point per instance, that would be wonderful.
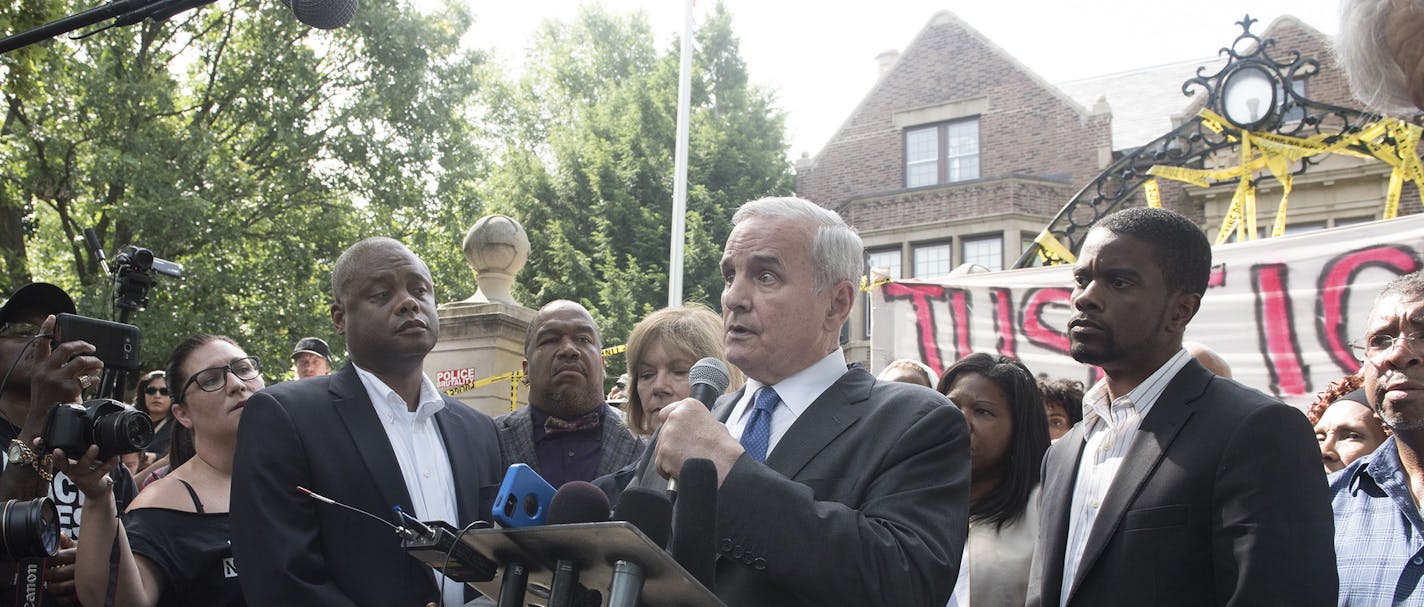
(314, 345)
(37, 296)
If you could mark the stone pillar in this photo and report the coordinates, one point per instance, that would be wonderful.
(483, 336)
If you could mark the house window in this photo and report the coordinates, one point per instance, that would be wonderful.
(879, 258)
(942, 153)
(932, 259)
(987, 251)
(1296, 112)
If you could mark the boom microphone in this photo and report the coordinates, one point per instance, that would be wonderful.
(323, 14)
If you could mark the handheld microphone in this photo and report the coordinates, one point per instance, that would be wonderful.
(709, 379)
(647, 509)
(574, 502)
(694, 521)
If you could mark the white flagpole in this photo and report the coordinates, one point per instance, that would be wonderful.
(679, 184)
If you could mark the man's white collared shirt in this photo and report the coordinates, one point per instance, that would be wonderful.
(420, 451)
(797, 392)
(1110, 427)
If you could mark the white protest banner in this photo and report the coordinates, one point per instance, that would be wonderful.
(1282, 311)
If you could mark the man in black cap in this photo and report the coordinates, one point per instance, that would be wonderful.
(311, 358)
(33, 378)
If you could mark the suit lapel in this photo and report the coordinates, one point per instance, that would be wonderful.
(833, 411)
(1172, 410)
(521, 433)
(1059, 479)
(726, 403)
(456, 433)
(354, 407)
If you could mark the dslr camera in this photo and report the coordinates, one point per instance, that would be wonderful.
(115, 427)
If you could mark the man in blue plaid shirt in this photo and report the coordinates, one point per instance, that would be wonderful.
(1379, 534)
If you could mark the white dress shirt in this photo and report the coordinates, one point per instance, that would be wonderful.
(421, 453)
(797, 393)
(1110, 430)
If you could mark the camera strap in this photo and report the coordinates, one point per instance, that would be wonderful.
(29, 582)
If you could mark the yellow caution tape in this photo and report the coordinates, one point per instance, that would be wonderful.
(866, 285)
(1052, 252)
(1153, 193)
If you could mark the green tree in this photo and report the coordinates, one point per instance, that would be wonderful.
(589, 167)
(246, 146)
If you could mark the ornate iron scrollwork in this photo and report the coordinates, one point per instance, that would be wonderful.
(1192, 143)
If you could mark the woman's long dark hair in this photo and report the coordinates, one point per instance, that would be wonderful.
(1028, 437)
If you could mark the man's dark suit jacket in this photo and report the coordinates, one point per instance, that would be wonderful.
(618, 446)
(1220, 500)
(864, 501)
(323, 434)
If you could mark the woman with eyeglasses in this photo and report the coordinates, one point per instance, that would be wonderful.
(173, 540)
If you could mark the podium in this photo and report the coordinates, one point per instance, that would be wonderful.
(594, 548)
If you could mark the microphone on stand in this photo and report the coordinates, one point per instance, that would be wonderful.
(323, 14)
(574, 502)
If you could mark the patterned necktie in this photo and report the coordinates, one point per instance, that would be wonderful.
(756, 437)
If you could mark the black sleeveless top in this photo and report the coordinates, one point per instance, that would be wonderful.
(191, 549)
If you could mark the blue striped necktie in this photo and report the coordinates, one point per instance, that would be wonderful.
(756, 437)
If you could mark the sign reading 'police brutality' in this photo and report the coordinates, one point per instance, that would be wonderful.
(454, 377)
(1282, 311)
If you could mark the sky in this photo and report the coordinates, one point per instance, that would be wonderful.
(818, 58)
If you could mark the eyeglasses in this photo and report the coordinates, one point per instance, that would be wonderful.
(152, 390)
(1376, 346)
(23, 330)
(213, 379)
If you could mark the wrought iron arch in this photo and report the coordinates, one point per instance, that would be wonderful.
(1193, 142)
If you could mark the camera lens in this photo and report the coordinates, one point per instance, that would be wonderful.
(123, 431)
(28, 529)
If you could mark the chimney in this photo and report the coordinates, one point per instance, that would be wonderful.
(887, 59)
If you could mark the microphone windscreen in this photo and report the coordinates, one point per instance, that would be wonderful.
(648, 510)
(323, 14)
(709, 379)
(694, 523)
(578, 502)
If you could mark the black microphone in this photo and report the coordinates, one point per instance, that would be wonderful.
(323, 14)
(574, 502)
(647, 509)
(92, 239)
(709, 379)
(694, 521)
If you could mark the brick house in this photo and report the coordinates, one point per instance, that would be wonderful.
(959, 154)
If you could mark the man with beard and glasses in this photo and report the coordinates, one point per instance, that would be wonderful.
(1179, 487)
(1378, 527)
(567, 433)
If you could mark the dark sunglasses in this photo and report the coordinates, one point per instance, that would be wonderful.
(152, 390)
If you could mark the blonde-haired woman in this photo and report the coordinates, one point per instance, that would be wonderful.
(661, 350)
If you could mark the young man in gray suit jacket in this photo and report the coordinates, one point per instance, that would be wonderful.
(834, 488)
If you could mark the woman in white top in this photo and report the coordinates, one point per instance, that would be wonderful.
(1008, 435)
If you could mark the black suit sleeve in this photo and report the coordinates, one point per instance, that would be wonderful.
(1273, 538)
(274, 527)
(899, 544)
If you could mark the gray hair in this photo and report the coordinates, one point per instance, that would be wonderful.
(1375, 78)
(836, 250)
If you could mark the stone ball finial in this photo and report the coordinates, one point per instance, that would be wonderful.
(496, 248)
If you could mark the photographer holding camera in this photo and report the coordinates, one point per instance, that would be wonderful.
(173, 542)
(34, 378)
